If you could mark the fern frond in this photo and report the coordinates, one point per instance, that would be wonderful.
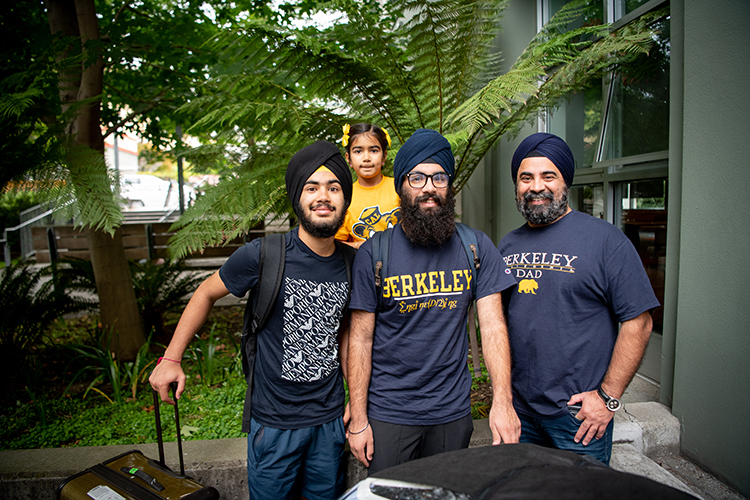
(83, 189)
(234, 206)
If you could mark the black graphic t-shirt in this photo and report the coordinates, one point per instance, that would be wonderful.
(297, 379)
(577, 278)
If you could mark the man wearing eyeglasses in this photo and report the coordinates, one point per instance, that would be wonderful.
(409, 382)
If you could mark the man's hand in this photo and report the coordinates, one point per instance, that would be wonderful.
(362, 445)
(192, 318)
(595, 416)
(504, 424)
(163, 375)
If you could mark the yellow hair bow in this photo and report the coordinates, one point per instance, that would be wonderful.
(387, 137)
(345, 138)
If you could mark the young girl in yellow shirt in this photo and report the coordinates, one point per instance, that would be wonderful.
(375, 205)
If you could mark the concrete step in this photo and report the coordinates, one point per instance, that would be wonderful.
(649, 427)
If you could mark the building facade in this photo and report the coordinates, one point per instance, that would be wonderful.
(663, 157)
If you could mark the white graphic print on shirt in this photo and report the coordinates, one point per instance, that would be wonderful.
(312, 314)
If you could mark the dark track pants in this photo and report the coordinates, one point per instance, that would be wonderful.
(395, 444)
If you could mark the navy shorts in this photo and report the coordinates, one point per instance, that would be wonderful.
(283, 464)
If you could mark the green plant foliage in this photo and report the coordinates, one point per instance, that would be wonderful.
(161, 288)
(203, 353)
(211, 413)
(117, 375)
(32, 302)
(403, 64)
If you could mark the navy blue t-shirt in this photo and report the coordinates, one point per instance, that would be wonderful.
(297, 379)
(577, 278)
(420, 374)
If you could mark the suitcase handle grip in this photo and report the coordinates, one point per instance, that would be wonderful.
(149, 480)
(159, 438)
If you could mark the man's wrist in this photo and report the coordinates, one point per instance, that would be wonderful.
(612, 403)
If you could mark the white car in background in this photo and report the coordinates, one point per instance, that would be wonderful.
(147, 192)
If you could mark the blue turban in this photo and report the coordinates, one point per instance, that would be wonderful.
(551, 147)
(424, 144)
(309, 159)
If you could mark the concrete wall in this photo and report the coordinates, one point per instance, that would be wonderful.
(488, 199)
(712, 349)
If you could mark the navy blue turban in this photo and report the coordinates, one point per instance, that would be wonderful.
(309, 159)
(551, 147)
(424, 144)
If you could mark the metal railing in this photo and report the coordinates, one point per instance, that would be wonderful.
(24, 228)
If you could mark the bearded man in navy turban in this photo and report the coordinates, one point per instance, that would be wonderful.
(580, 317)
(408, 382)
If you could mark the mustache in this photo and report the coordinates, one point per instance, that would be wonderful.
(544, 195)
(424, 197)
(325, 205)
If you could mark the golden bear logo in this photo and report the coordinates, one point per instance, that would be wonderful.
(528, 286)
(370, 216)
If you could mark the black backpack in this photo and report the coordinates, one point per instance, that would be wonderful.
(264, 293)
(380, 248)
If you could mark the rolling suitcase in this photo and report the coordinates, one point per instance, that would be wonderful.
(133, 476)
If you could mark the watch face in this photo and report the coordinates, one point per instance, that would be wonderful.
(613, 404)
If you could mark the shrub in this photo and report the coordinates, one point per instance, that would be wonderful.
(30, 304)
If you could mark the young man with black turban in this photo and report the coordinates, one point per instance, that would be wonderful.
(295, 423)
(409, 382)
(578, 277)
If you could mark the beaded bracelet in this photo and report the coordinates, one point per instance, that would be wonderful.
(172, 360)
(363, 430)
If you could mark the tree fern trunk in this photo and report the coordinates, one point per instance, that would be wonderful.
(117, 302)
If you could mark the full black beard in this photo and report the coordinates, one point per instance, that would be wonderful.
(542, 215)
(322, 229)
(428, 228)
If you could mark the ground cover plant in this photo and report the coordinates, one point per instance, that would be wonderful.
(72, 400)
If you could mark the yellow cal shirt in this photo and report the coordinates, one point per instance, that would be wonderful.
(372, 209)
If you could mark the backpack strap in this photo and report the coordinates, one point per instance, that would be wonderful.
(469, 242)
(380, 242)
(349, 253)
(262, 297)
(380, 248)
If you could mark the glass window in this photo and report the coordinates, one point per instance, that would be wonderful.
(588, 198)
(624, 7)
(642, 216)
(592, 124)
(638, 112)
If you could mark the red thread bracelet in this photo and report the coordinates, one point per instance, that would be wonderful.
(172, 360)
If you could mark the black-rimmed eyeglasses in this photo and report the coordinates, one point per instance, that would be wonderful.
(418, 180)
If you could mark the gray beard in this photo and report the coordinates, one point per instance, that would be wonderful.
(542, 215)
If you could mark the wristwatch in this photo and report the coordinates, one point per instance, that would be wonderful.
(612, 404)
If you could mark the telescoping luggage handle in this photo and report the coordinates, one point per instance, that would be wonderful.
(157, 400)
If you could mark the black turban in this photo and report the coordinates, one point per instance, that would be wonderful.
(424, 144)
(309, 159)
(551, 147)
